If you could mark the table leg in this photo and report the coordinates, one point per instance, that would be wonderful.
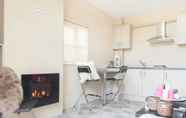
(104, 87)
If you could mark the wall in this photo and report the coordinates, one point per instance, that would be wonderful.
(71, 86)
(1, 20)
(100, 28)
(168, 54)
(100, 41)
(1, 27)
(142, 83)
(34, 41)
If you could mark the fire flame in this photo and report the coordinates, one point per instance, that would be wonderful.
(40, 93)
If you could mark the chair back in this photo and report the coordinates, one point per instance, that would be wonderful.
(123, 69)
(122, 73)
(84, 73)
(84, 69)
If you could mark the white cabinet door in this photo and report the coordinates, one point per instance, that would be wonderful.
(122, 36)
(143, 83)
(177, 80)
(181, 30)
(150, 81)
(131, 83)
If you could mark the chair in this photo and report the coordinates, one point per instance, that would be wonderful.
(118, 79)
(86, 72)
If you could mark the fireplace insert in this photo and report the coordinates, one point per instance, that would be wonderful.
(43, 88)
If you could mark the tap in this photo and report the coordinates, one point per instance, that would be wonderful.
(142, 63)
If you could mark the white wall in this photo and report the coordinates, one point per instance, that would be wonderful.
(100, 42)
(1, 21)
(34, 41)
(99, 25)
(168, 54)
(142, 83)
(71, 86)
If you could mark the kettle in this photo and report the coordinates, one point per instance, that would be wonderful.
(117, 61)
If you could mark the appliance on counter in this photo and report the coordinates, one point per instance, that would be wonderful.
(117, 61)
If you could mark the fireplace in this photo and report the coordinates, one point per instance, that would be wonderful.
(43, 88)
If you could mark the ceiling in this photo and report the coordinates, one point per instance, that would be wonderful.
(125, 8)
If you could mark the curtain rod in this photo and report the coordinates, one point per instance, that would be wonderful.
(70, 21)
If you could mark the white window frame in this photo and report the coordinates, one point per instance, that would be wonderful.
(75, 45)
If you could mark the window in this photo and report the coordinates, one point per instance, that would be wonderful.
(75, 43)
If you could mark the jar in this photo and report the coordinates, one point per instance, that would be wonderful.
(152, 102)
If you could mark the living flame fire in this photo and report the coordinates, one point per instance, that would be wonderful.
(40, 93)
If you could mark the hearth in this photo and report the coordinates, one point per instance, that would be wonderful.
(43, 88)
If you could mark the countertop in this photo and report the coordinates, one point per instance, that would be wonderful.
(156, 68)
(146, 68)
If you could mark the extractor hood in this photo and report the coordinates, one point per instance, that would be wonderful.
(162, 37)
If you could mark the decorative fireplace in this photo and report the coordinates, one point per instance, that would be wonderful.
(43, 88)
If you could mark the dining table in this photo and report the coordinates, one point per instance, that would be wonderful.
(106, 73)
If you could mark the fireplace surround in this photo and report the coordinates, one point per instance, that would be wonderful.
(43, 88)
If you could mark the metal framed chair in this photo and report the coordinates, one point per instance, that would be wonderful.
(85, 75)
(118, 79)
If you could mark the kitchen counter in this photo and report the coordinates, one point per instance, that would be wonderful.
(156, 68)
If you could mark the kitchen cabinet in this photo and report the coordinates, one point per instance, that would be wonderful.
(131, 83)
(150, 80)
(141, 83)
(181, 30)
(177, 79)
(122, 37)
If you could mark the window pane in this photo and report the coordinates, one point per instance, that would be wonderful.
(75, 43)
(69, 35)
(82, 37)
(69, 54)
(81, 55)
